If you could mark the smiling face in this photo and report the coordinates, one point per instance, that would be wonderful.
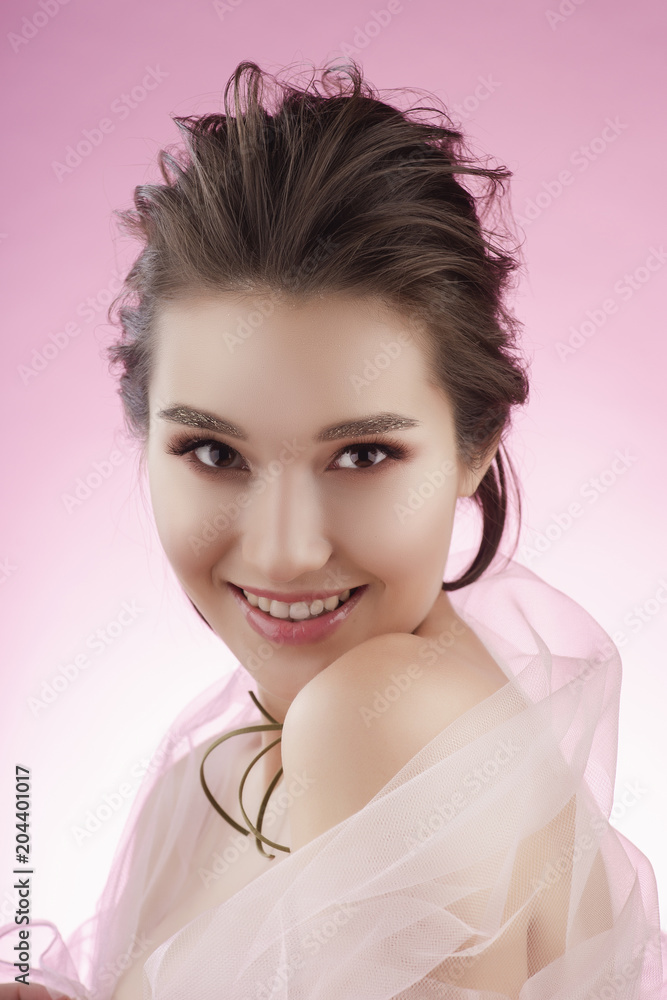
(285, 507)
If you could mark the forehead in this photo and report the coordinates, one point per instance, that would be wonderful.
(328, 353)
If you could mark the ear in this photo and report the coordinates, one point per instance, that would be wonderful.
(471, 476)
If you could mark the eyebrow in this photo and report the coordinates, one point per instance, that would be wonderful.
(376, 423)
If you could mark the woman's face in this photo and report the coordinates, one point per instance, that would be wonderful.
(290, 508)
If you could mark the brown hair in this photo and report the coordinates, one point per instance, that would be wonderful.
(337, 191)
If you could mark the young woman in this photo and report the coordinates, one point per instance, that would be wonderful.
(403, 789)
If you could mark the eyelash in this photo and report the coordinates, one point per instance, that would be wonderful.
(187, 446)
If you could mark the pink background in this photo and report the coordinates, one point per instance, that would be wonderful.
(553, 82)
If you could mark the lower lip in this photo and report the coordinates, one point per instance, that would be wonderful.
(294, 633)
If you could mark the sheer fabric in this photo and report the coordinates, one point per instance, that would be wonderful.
(504, 815)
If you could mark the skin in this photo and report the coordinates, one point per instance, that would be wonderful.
(321, 523)
(324, 521)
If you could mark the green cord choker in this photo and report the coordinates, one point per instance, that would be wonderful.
(259, 837)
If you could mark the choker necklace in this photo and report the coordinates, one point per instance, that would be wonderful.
(271, 725)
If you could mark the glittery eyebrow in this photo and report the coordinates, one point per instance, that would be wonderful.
(377, 423)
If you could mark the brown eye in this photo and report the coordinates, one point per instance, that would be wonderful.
(220, 456)
(207, 454)
(210, 456)
(364, 454)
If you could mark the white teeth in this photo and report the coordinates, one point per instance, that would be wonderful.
(298, 611)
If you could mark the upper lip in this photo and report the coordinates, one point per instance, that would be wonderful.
(301, 595)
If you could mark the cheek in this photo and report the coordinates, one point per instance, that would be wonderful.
(407, 518)
(187, 517)
(429, 501)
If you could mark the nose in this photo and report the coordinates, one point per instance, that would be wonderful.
(283, 531)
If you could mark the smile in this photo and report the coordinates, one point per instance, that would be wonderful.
(284, 628)
(298, 611)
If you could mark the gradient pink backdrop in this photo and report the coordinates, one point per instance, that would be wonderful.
(532, 87)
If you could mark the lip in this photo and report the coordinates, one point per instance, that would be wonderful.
(295, 633)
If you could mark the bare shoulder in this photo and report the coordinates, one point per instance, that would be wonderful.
(357, 723)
